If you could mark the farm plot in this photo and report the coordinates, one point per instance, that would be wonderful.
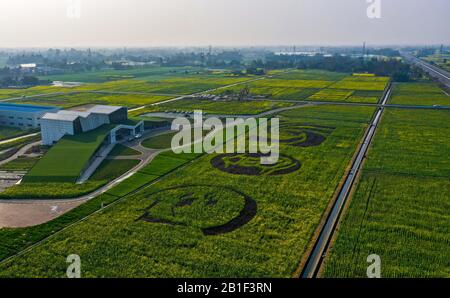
(221, 107)
(201, 221)
(169, 86)
(113, 75)
(401, 208)
(366, 83)
(356, 88)
(311, 74)
(163, 82)
(81, 98)
(280, 89)
(331, 95)
(419, 93)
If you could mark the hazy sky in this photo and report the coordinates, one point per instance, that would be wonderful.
(53, 23)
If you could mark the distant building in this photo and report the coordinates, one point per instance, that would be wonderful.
(23, 116)
(69, 122)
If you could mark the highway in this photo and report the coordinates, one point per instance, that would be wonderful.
(320, 248)
(434, 71)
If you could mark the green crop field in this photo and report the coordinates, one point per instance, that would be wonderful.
(113, 75)
(367, 83)
(221, 107)
(276, 216)
(317, 86)
(401, 208)
(419, 93)
(80, 98)
(158, 83)
(65, 161)
(311, 74)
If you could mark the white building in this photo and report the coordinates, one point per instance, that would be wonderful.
(23, 116)
(68, 122)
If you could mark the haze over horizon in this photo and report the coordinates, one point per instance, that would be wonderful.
(142, 23)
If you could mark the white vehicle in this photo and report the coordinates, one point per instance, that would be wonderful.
(138, 136)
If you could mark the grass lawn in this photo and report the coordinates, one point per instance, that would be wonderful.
(65, 160)
(20, 164)
(159, 142)
(121, 150)
(401, 208)
(110, 169)
(187, 242)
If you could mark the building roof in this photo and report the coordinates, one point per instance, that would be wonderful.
(25, 108)
(71, 115)
(60, 117)
(102, 109)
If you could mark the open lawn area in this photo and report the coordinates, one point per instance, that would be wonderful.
(65, 161)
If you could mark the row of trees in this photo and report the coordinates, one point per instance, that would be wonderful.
(22, 81)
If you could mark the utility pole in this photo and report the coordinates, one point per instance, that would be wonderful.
(364, 49)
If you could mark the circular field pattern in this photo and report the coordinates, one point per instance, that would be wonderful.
(250, 164)
(303, 135)
(212, 209)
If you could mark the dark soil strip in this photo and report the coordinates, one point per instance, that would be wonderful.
(244, 217)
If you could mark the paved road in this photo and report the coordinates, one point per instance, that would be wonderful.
(436, 72)
(320, 248)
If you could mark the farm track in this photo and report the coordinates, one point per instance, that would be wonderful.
(321, 245)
